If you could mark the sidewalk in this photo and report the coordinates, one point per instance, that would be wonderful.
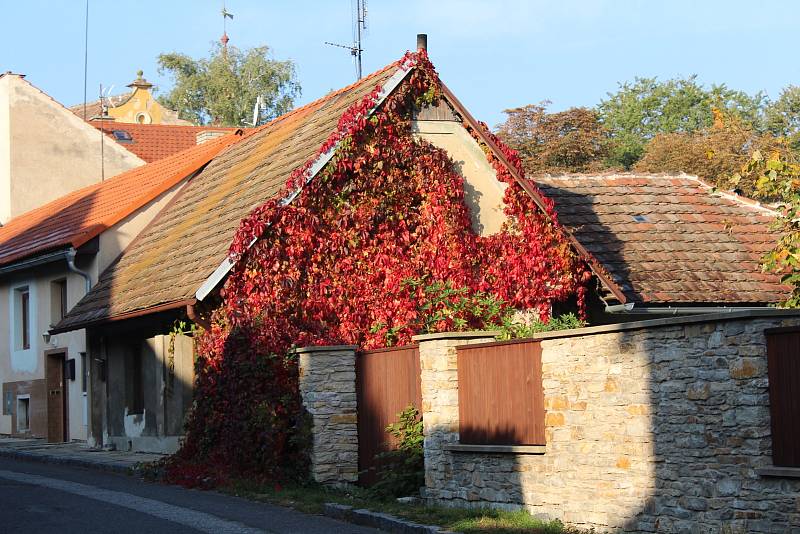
(38, 450)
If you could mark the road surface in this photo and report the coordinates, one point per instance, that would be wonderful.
(42, 498)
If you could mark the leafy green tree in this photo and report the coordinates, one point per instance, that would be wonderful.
(568, 141)
(646, 107)
(223, 89)
(780, 179)
(783, 115)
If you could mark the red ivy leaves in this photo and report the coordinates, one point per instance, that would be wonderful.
(332, 267)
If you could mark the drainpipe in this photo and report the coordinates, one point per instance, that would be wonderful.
(631, 307)
(71, 253)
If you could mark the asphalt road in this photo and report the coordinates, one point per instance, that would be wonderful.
(42, 498)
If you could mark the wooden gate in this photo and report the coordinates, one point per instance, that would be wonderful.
(387, 381)
(783, 367)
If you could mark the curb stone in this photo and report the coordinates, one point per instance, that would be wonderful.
(385, 522)
(47, 459)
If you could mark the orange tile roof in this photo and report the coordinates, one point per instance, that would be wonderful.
(175, 254)
(74, 219)
(668, 239)
(152, 142)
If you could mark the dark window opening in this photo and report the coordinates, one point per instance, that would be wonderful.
(24, 297)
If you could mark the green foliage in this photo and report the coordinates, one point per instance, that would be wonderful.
(513, 328)
(780, 179)
(222, 89)
(402, 470)
(783, 116)
(645, 107)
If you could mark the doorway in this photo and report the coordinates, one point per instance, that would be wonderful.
(57, 394)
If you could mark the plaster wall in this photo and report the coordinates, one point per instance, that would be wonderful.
(46, 151)
(166, 388)
(656, 429)
(483, 192)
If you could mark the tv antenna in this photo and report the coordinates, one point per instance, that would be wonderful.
(359, 24)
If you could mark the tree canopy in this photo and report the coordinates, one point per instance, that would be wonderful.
(223, 89)
(646, 107)
(567, 141)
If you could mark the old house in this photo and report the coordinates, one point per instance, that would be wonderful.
(49, 258)
(46, 151)
(139, 106)
(173, 271)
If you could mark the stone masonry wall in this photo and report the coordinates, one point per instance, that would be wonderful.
(656, 429)
(328, 390)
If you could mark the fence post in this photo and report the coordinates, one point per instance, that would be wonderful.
(328, 391)
(439, 384)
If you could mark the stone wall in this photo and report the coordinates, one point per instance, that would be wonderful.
(657, 426)
(328, 390)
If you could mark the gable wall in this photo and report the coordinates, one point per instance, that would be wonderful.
(483, 192)
(49, 150)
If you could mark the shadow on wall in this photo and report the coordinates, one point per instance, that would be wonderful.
(652, 430)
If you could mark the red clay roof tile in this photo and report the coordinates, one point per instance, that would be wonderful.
(669, 239)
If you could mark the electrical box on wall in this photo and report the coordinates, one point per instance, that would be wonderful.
(69, 369)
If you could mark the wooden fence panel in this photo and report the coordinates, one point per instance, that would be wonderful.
(500, 397)
(387, 381)
(783, 363)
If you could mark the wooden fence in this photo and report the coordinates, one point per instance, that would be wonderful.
(783, 361)
(387, 382)
(500, 397)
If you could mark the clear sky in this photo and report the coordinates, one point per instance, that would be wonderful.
(492, 54)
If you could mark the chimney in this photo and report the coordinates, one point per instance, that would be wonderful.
(207, 135)
(422, 41)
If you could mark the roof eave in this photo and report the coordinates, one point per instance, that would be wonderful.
(34, 261)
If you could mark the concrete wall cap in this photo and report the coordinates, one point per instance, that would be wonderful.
(456, 335)
(666, 322)
(325, 348)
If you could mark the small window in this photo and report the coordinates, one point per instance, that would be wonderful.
(23, 413)
(122, 136)
(58, 301)
(84, 373)
(8, 403)
(136, 382)
(22, 319)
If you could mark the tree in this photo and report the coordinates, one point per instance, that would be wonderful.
(646, 107)
(222, 89)
(568, 141)
(718, 154)
(780, 179)
(783, 115)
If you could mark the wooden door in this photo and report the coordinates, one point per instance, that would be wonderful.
(387, 381)
(56, 397)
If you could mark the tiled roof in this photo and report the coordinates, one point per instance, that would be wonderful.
(151, 142)
(175, 254)
(74, 219)
(669, 239)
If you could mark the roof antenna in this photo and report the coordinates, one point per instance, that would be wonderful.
(359, 23)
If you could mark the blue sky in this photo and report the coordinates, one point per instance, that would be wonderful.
(492, 54)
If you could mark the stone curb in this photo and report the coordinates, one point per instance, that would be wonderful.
(50, 459)
(385, 522)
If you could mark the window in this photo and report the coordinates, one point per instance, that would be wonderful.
(8, 403)
(135, 383)
(122, 136)
(58, 301)
(23, 413)
(22, 318)
(84, 373)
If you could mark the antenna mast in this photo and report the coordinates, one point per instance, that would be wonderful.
(359, 24)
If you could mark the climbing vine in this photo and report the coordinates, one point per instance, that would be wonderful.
(352, 260)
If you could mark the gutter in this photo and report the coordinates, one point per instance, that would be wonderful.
(633, 308)
(225, 267)
(70, 255)
(33, 262)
